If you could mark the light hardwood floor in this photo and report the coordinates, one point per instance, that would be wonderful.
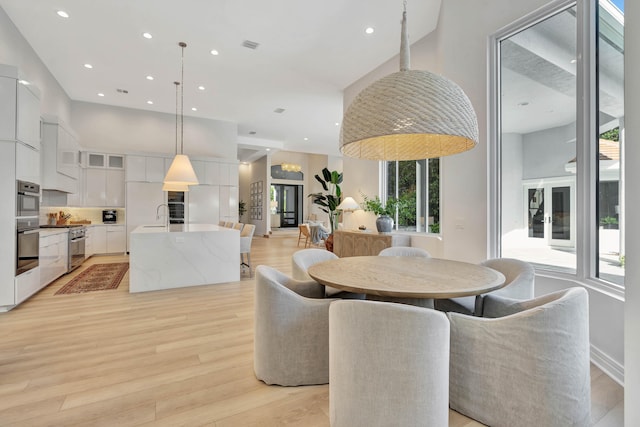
(167, 358)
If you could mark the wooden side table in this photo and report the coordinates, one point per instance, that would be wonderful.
(362, 243)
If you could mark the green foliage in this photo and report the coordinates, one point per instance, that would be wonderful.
(611, 135)
(376, 206)
(622, 261)
(329, 201)
(242, 208)
(608, 220)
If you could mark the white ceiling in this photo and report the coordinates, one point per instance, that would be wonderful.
(308, 53)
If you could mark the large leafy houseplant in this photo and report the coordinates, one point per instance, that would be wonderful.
(330, 200)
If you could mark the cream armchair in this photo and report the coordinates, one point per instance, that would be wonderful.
(389, 365)
(525, 364)
(291, 341)
(303, 259)
(519, 284)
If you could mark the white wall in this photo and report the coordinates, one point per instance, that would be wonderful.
(14, 50)
(546, 152)
(122, 130)
(632, 179)
(512, 196)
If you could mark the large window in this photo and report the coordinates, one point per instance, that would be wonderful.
(559, 131)
(416, 185)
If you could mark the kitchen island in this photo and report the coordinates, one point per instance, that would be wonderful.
(178, 256)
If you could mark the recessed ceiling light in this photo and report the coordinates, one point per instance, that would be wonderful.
(337, 124)
(88, 66)
(149, 77)
(268, 149)
(62, 14)
(150, 102)
(24, 82)
(214, 52)
(573, 61)
(200, 87)
(194, 109)
(369, 30)
(306, 139)
(147, 35)
(100, 94)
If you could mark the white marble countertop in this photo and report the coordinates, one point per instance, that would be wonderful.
(180, 228)
(52, 231)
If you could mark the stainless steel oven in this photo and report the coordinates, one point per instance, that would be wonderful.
(175, 202)
(77, 237)
(27, 199)
(27, 244)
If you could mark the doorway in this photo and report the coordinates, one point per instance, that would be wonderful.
(286, 204)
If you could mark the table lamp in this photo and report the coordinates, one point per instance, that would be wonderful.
(348, 205)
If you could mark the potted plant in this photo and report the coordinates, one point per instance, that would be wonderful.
(329, 201)
(385, 211)
(242, 208)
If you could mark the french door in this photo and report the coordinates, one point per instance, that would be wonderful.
(550, 212)
(288, 200)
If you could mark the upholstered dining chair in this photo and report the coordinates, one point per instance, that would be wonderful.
(238, 226)
(228, 224)
(525, 363)
(388, 365)
(221, 223)
(519, 284)
(404, 251)
(291, 342)
(246, 237)
(304, 258)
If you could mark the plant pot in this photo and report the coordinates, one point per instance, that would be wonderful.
(384, 224)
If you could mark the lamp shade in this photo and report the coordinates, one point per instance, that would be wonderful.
(174, 187)
(181, 172)
(409, 115)
(348, 204)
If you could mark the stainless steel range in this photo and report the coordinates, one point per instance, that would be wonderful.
(77, 237)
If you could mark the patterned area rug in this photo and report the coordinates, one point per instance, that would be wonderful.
(97, 277)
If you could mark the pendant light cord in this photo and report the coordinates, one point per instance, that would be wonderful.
(176, 134)
(405, 60)
(182, 45)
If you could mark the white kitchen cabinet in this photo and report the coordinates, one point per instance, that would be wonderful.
(213, 173)
(60, 157)
(88, 243)
(19, 108)
(145, 168)
(27, 163)
(228, 203)
(204, 204)
(103, 160)
(99, 237)
(143, 200)
(53, 256)
(27, 284)
(116, 239)
(103, 187)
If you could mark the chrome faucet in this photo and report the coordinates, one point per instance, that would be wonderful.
(167, 214)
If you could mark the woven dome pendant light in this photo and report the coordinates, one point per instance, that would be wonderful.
(409, 115)
(181, 172)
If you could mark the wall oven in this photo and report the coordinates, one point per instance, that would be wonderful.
(175, 201)
(27, 244)
(27, 199)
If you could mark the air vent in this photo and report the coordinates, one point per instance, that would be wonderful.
(249, 44)
(253, 132)
(122, 91)
(279, 110)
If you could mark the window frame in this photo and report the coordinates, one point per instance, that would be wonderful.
(586, 131)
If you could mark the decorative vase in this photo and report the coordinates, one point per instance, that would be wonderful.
(329, 243)
(384, 224)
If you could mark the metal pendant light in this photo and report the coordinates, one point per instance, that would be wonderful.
(181, 172)
(409, 115)
(167, 186)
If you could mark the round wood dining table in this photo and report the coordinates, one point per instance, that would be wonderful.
(406, 277)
